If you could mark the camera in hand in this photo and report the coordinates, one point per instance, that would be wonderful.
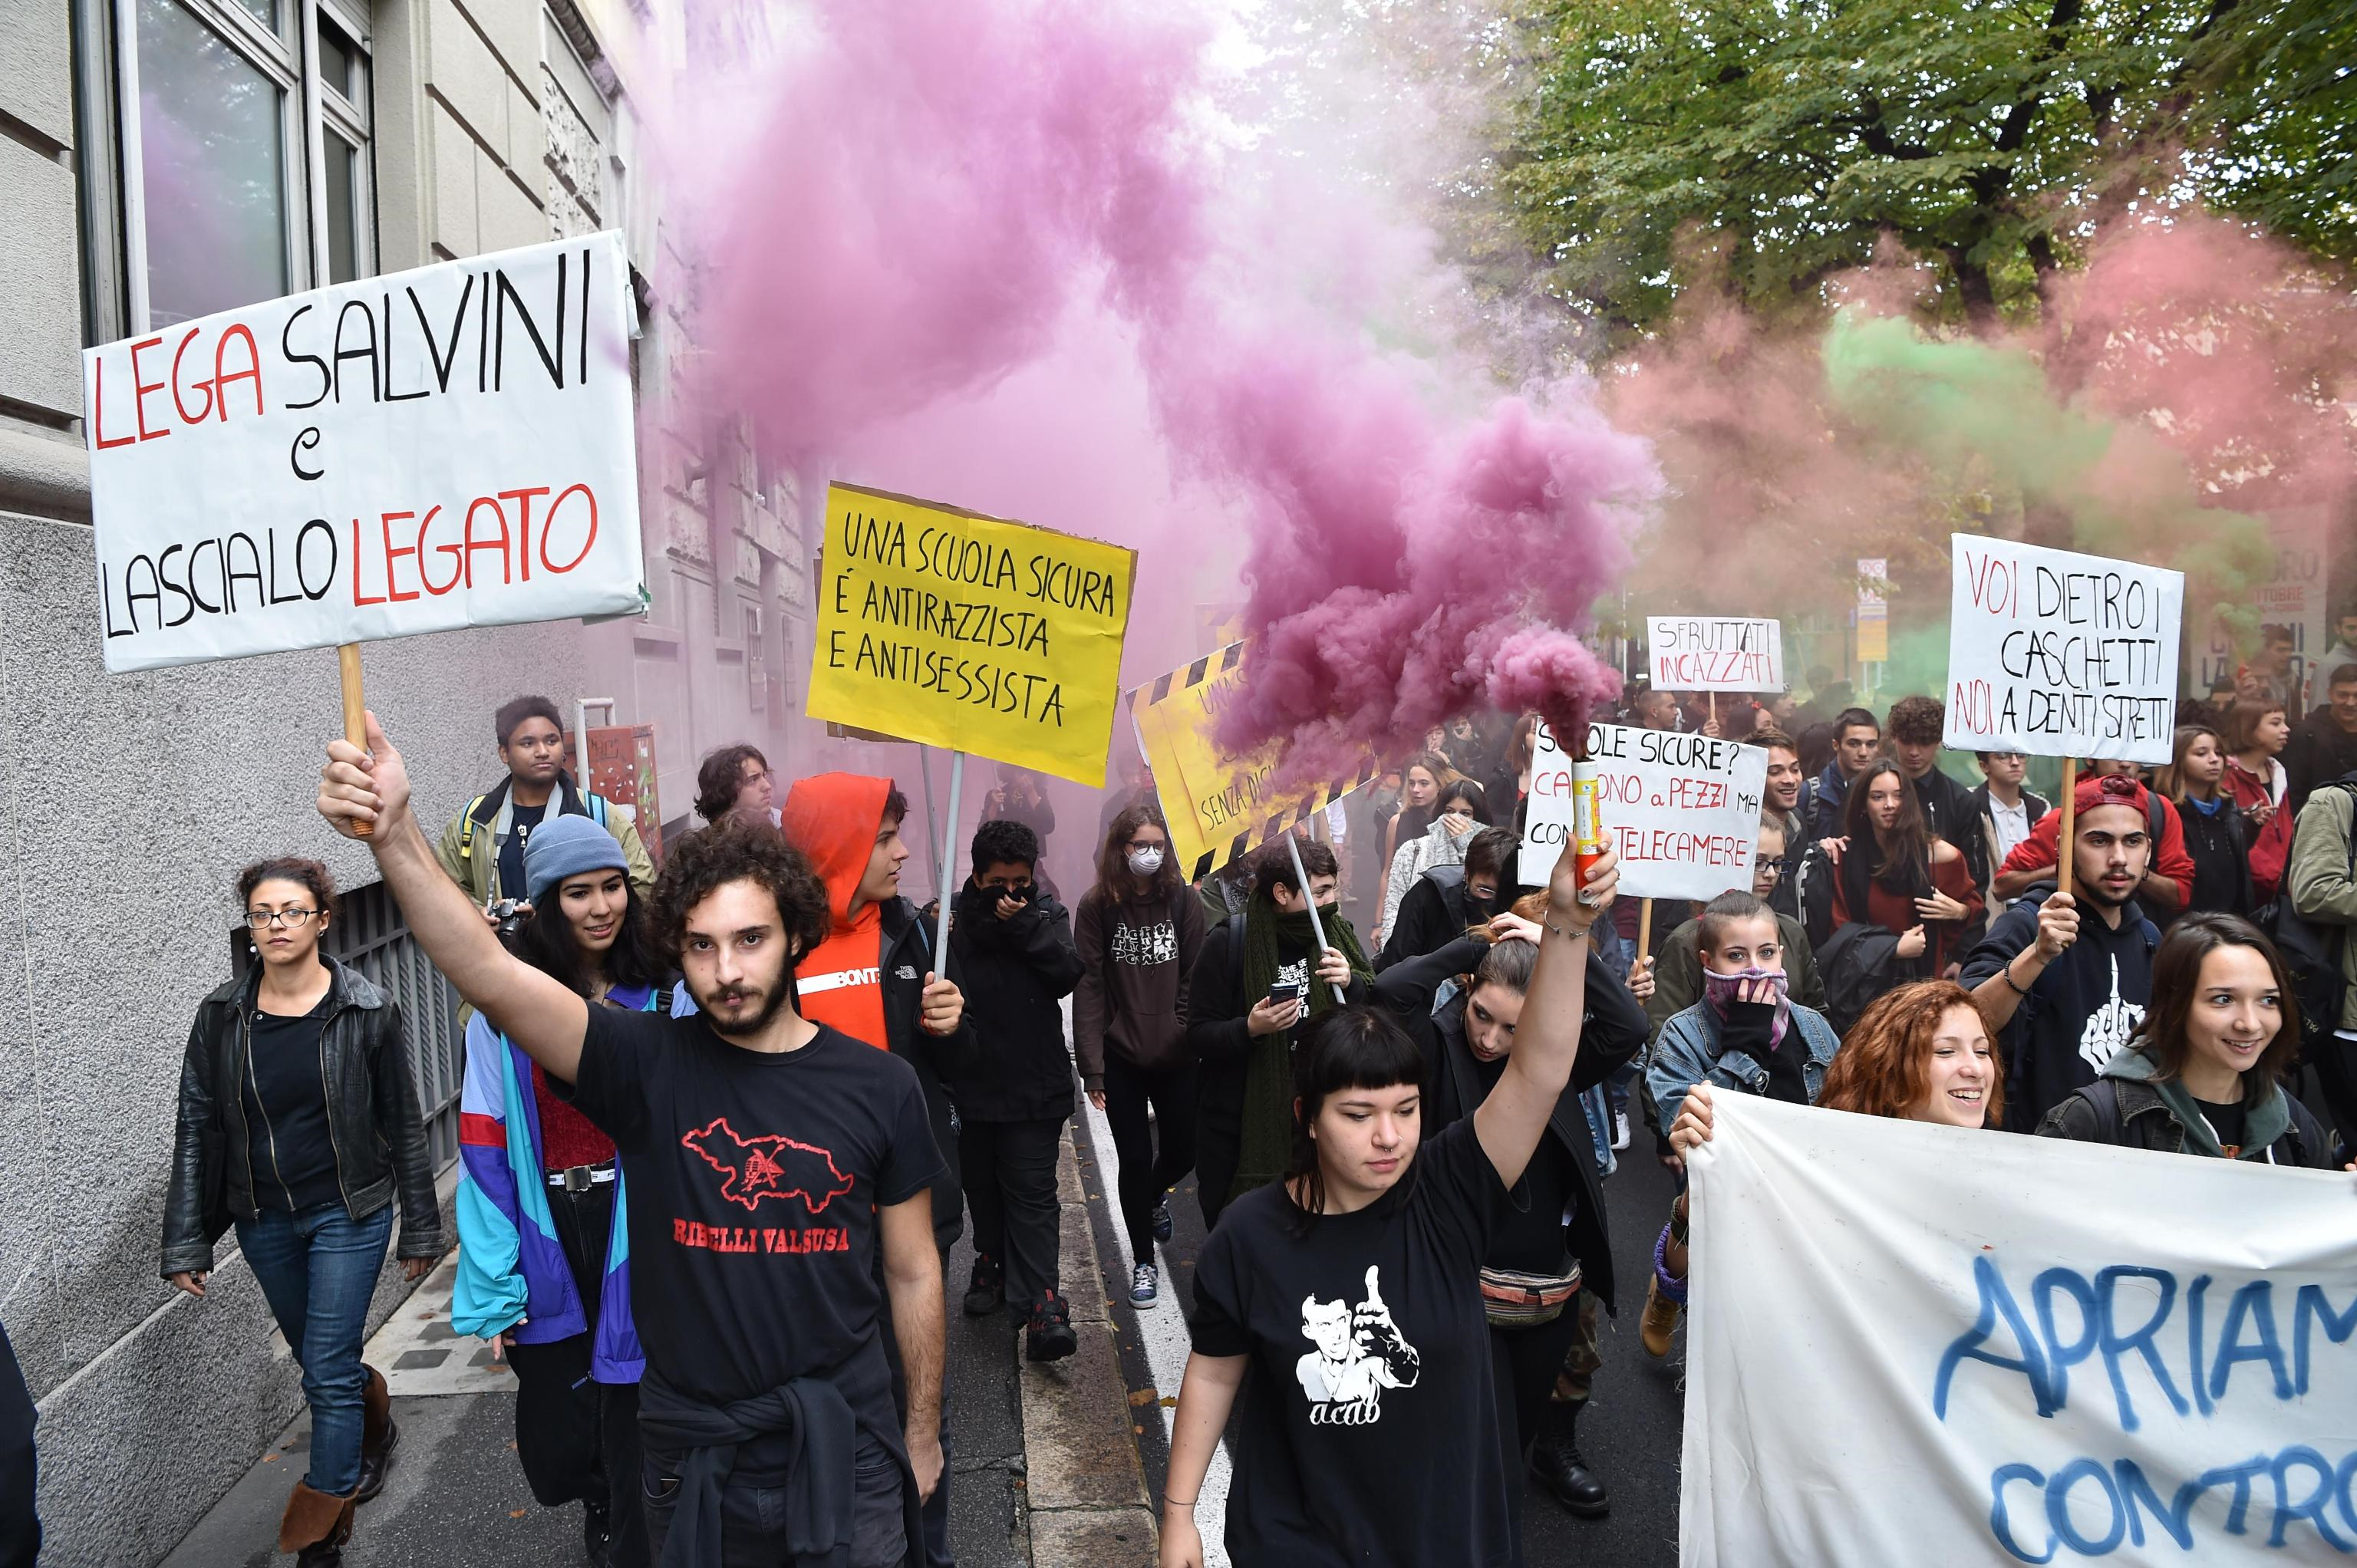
(510, 914)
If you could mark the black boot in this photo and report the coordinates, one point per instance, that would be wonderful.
(1556, 1464)
(596, 1534)
(1048, 1329)
(985, 1293)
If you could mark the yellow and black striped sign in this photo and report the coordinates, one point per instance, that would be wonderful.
(1217, 808)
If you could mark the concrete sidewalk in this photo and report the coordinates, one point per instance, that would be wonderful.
(1044, 1466)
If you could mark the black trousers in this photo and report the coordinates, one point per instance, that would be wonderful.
(20, 1529)
(577, 1438)
(1146, 1172)
(1010, 1171)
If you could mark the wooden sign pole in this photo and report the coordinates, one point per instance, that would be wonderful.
(348, 661)
(1644, 928)
(2065, 844)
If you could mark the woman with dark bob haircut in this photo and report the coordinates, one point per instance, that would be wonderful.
(298, 1123)
(2203, 1073)
(1349, 1293)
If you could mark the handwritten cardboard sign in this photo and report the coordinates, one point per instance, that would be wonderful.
(446, 448)
(970, 632)
(1682, 811)
(2059, 654)
(1715, 653)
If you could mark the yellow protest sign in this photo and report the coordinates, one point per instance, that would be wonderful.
(1217, 807)
(968, 632)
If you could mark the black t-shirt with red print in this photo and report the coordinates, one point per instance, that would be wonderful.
(753, 1182)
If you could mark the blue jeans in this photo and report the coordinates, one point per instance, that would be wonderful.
(317, 1268)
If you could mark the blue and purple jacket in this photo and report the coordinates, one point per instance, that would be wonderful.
(512, 1267)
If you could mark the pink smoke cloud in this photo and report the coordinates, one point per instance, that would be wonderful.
(934, 195)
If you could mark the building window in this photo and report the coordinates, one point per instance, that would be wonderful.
(244, 146)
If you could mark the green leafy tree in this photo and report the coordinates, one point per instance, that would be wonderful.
(1989, 141)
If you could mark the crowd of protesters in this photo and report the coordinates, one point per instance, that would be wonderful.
(749, 1093)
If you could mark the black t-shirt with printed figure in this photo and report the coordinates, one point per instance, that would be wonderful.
(1369, 1424)
(754, 1179)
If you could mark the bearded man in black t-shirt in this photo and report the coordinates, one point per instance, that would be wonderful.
(768, 1159)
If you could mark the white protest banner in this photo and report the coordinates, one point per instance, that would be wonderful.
(2059, 654)
(446, 448)
(1989, 1349)
(1680, 810)
(1715, 653)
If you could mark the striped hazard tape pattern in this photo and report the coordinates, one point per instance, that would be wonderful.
(1181, 682)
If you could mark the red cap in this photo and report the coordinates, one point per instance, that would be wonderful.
(2112, 790)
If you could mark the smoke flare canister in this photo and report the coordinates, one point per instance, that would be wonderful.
(1586, 818)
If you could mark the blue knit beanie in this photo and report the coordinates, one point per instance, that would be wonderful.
(567, 846)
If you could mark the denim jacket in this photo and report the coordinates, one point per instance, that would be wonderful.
(1691, 1049)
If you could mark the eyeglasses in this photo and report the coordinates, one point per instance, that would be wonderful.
(257, 919)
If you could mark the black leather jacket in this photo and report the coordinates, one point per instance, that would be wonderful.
(373, 1119)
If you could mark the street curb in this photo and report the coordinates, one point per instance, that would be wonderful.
(1086, 1487)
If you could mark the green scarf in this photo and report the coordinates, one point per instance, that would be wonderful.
(1267, 1141)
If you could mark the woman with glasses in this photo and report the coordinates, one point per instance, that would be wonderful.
(1138, 930)
(298, 1123)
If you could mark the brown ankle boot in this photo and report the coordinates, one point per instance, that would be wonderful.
(316, 1525)
(378, 1434)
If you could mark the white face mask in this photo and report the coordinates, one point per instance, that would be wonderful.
(1146, 862)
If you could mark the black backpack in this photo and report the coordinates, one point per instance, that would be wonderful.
(2311, 950)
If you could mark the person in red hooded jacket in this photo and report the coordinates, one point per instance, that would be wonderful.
(876, 979)
(2167, 885)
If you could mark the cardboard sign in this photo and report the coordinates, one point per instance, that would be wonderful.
(968, 632)
(2059, 654)
(1682, 811)
(1994, 1349)
(447, 447)
(1715, 653)
(1217, 807)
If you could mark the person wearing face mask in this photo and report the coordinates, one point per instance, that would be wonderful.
(543, 1262)
(1139, 932)
(1261, 973)
(1549, 1266)
(1463, 810)
(1449, 900)
(1677, 973)
(1013, 1079)
(2204, 1073)
(1746, 1035)
(1921, 1053)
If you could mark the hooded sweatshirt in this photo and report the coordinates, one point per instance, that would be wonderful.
(867, 978)
(834, 818)
(2148, 1111)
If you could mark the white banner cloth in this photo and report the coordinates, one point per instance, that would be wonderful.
(1921, 1345)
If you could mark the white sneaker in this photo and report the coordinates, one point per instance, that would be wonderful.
(1144, 1285)
(1620, 1130)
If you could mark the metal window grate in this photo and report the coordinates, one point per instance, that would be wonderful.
(372, 938)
